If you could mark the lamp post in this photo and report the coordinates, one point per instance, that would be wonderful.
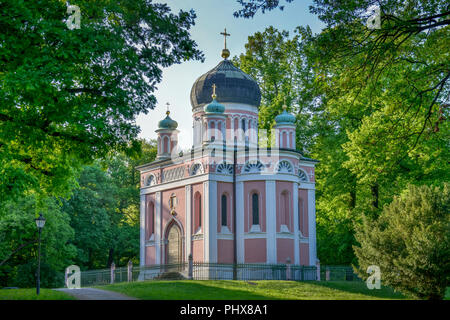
(40, 222)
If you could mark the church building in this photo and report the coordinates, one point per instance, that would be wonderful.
(234, 197)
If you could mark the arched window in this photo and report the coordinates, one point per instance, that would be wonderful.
(159, 145)
(212, 130)
(243, 129)
(150, 219)
(301, 217)
(291, 140)
(255, 209)
(224, 210)
(198, 210)
(285, 208)
(166, 144)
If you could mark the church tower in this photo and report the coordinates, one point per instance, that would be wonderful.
(285, 130)
(238, 92)
(214, 121)
(167, 136)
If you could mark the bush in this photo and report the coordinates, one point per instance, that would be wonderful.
(410, 242)
(26, 276)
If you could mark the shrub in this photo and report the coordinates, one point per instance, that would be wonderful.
(410, 242)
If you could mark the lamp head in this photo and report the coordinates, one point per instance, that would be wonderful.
(40, 222)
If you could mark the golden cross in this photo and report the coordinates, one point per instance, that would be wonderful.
(168, 111)
(225, 35)
(214, 90)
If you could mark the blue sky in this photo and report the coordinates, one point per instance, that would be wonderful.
(212, 17)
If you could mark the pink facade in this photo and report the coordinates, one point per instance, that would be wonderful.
(150, 255)
(197, 250)
(225, 251)
(285, 250)
(255, 251)
(304, 254)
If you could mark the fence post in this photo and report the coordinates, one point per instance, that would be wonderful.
(349, 274)
(113, 268)
(190, 267)
(327, 274)
(318, 269)
(130, 271)
(288, 268)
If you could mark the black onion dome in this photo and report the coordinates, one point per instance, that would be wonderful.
(233, 85)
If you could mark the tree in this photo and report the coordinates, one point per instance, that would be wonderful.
(91, 209)
(411, 41)
(394, 80)
(104, 209)
(277, 62)
(69, 96)
(251, 7)
(284, 72)
(410, 242)
(369, 121)
(18, 242)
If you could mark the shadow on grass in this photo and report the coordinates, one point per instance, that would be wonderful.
(361, 288)
(179, 290)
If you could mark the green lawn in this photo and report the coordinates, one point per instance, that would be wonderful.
(253, 290)
(30, 294)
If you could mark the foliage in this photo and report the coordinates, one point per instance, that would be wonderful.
(277, 62)
(410, 242)
(376, 107)
(99, 224)
(251, 7)
(105, 210)
(18, 242)
(77, 92)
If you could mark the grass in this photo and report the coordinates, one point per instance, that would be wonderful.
(227, 290)
(253, 290)
(30, 294)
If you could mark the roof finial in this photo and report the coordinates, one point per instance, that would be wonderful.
(168, 111)
(225, 51)
(214, 91)
(284, 104)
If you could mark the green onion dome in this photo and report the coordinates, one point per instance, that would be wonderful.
(285, 117)
(214, 107)
(167, 123)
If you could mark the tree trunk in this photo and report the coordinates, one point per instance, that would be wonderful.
(110, 257)
(374, 189)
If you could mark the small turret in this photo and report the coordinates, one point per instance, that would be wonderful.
(214, 120)
(167, 136)
(285, 130)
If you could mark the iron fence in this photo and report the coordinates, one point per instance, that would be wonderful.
(338, 273)
(250, 271)
(217, 271)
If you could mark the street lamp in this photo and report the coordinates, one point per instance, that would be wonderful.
(40, 222)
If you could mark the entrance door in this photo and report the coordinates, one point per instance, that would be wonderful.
(174, 245)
